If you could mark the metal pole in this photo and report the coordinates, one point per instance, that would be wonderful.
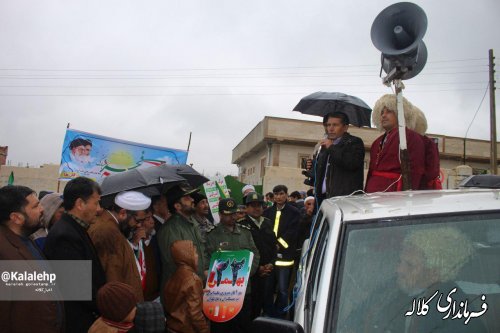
(189, 142)
(465, 141)
(493, 121)
(403, 151)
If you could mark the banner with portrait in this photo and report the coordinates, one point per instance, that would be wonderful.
(95, 156)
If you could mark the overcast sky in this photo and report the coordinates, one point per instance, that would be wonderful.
(154, 71)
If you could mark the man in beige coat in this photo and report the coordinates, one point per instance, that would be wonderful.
(110, 236)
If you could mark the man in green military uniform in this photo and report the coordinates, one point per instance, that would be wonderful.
(180, 226)
(229, 236)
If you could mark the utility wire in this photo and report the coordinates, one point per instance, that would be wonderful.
(296, 75)
(230, 68)
(337, 68)
(475, 114)
(234, 85)
(210, 94)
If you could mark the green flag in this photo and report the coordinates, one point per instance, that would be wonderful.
(11, 178)
(221, 190)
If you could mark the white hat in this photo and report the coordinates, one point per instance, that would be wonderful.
(248, 187)
(132, 200)
(308, 198)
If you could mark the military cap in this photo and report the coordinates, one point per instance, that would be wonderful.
(227, 206)
(254, 197)
(197, 197)
(178, 191)
(241, 209)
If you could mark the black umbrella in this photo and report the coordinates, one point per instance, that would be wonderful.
(320, 103)
(149, 181)
(193, 177)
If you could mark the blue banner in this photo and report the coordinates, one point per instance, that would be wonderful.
(95, 156)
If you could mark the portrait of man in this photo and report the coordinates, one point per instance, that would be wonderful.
(77, 159)
(80, 150)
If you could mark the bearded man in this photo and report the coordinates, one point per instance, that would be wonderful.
(180, 226)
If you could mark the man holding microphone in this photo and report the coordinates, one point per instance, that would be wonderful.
(339, 162)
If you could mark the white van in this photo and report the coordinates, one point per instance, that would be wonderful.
(422, 261)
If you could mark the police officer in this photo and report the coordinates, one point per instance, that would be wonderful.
(229, 236)
(285, 220)
(265, 240)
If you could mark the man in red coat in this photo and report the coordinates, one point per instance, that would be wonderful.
(384, 173)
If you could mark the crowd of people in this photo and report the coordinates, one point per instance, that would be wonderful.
(150, 255)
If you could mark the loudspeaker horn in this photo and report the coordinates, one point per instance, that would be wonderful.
(397, 32)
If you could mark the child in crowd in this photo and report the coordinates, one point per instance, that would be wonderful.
(117, 303)
(183, 293)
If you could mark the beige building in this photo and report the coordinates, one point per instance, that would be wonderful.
(43, 178)
(4, 151)
(272, 152)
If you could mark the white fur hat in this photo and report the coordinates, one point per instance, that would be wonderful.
(132, 200)
(247, 188)
(414, 117)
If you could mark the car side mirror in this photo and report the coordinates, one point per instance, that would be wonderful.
(266, 324)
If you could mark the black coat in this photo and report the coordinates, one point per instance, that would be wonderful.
(67, 240)
(346, 170)
(264, 239)
(287, 230)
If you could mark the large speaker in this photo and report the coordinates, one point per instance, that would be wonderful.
(397, 32)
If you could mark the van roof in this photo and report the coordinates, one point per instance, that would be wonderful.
(397, 204)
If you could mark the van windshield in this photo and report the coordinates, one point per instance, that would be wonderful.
(419, 274)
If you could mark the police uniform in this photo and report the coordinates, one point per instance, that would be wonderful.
(240, 238)
(285, 227)
(265, 240)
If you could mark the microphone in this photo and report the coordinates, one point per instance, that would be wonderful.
(325, 136)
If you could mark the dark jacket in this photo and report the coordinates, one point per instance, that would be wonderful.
(287, 230)
(24, 316)
(346, 167)
(153, 269)
(67, 240)
(305, 224)
(264, 239)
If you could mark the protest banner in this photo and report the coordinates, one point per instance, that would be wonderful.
(215, 190)
(226, 285)
(95, 156)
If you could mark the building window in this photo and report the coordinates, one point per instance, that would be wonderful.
(263, 166)
(302, 160)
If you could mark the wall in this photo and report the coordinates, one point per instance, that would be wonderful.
(251, 165)
(39, 179)
(4, 151)
(291, 177)
(289, 154)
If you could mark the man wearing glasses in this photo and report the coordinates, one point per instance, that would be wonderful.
(117, 237)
